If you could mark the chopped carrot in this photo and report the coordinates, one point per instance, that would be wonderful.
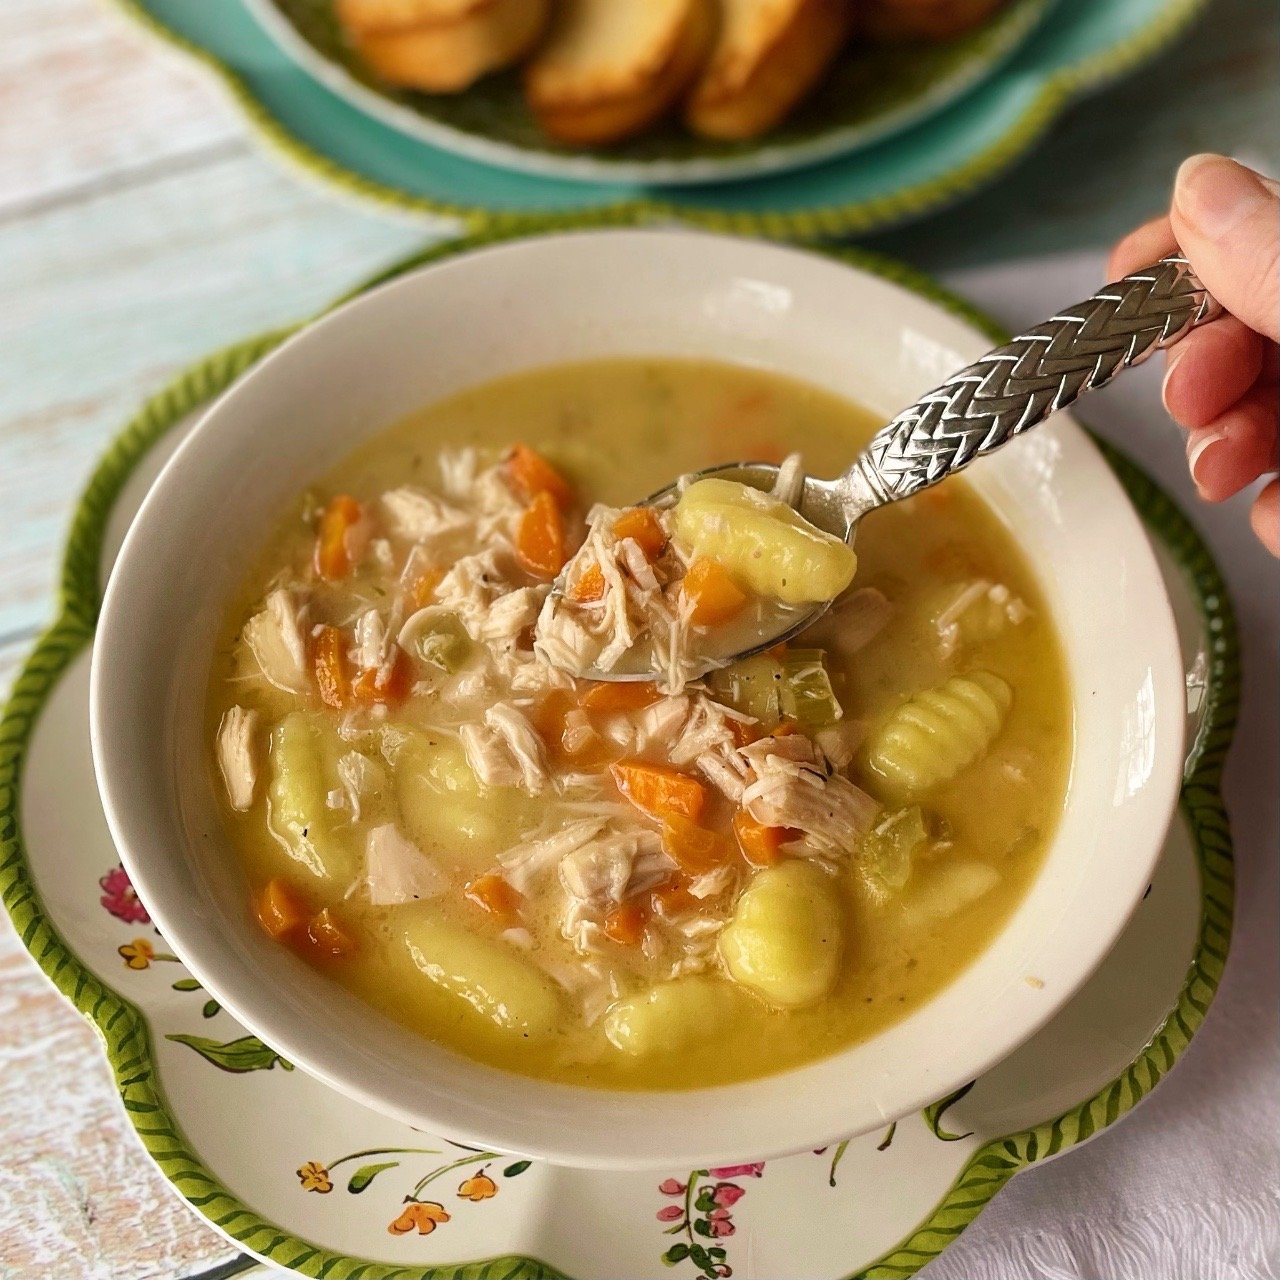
(784, 729)
(626, 923)
(659, 791)
(694, 849)
(327, 937)
(548, 719)
(422, 591)
(540, 538)
(533, 474)
(745, 732)
(716, 597)
(643, 527)
(329, 658)
(760, 845)
(394, 687)
(491, 893)
(672, 896)
(589, 586)
(333, 558)
(280, 909)
(620, 695)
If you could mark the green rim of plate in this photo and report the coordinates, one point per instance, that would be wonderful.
(1054, 93)
(125, 1032)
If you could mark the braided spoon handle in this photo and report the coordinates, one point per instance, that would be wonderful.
(1019, 385)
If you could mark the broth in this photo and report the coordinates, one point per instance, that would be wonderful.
(920, 892)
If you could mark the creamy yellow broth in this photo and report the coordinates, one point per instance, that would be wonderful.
(619, 429)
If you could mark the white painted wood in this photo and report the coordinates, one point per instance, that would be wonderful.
(107, 296)
(78, 1196)
(86, 101)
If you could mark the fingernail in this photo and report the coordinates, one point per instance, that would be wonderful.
(1215, 194)
(1201, 448)
(1171, 363)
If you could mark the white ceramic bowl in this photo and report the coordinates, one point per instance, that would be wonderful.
(572, 297)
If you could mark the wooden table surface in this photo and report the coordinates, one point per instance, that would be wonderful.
(141, 226)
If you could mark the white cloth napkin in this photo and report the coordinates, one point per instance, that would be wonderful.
(1188, 1186)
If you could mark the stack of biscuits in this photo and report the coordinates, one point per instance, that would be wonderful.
(599, 71)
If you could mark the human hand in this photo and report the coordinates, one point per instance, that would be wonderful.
(1222, 381)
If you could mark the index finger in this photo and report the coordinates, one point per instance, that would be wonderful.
(1141, 247)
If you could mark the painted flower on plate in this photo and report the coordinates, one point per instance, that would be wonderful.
(739, 1170)
(721, 1223)
(478, 1187)
(119, 897)
(137, 954)
(424, 1215)
(315, 1177)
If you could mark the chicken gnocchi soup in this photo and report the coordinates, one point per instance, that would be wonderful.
(651, 884)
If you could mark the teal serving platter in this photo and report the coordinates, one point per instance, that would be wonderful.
(1079, 46)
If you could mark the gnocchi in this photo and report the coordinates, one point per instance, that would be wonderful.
(931, 737)
(298, 814)
(763, 543)
(785, 938)
(669, 1017)
(484, 975)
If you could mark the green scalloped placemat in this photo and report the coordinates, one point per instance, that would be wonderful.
(1082, 45)
(124, 1030)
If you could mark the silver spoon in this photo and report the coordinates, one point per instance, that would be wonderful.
(979, 409)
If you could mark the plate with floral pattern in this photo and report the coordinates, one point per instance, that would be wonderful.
(300, 1177)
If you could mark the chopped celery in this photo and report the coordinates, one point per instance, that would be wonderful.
(752, 686)
(885, 857)
(806, 693)
(438, 637)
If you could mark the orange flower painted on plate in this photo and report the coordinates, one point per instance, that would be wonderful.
(137, 954)
(315, 1177)
(478, 1187)
(425, 1215)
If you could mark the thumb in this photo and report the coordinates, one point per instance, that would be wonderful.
(1227, 221)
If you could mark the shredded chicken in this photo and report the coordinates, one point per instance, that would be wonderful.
(505, 751)
(422, 518)
(789, 484)
(709, 727)
(277, 640)
(840, 741)
(659, 724)
(237, 757)
(613, 865)
(397, 871)
(640, 599)
(371, 640)
(470, 588)
(510, 616)
(360, 777)
(523, 863)
(1000, 604)
(458, 472)
(726, 771)
(793, 788)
